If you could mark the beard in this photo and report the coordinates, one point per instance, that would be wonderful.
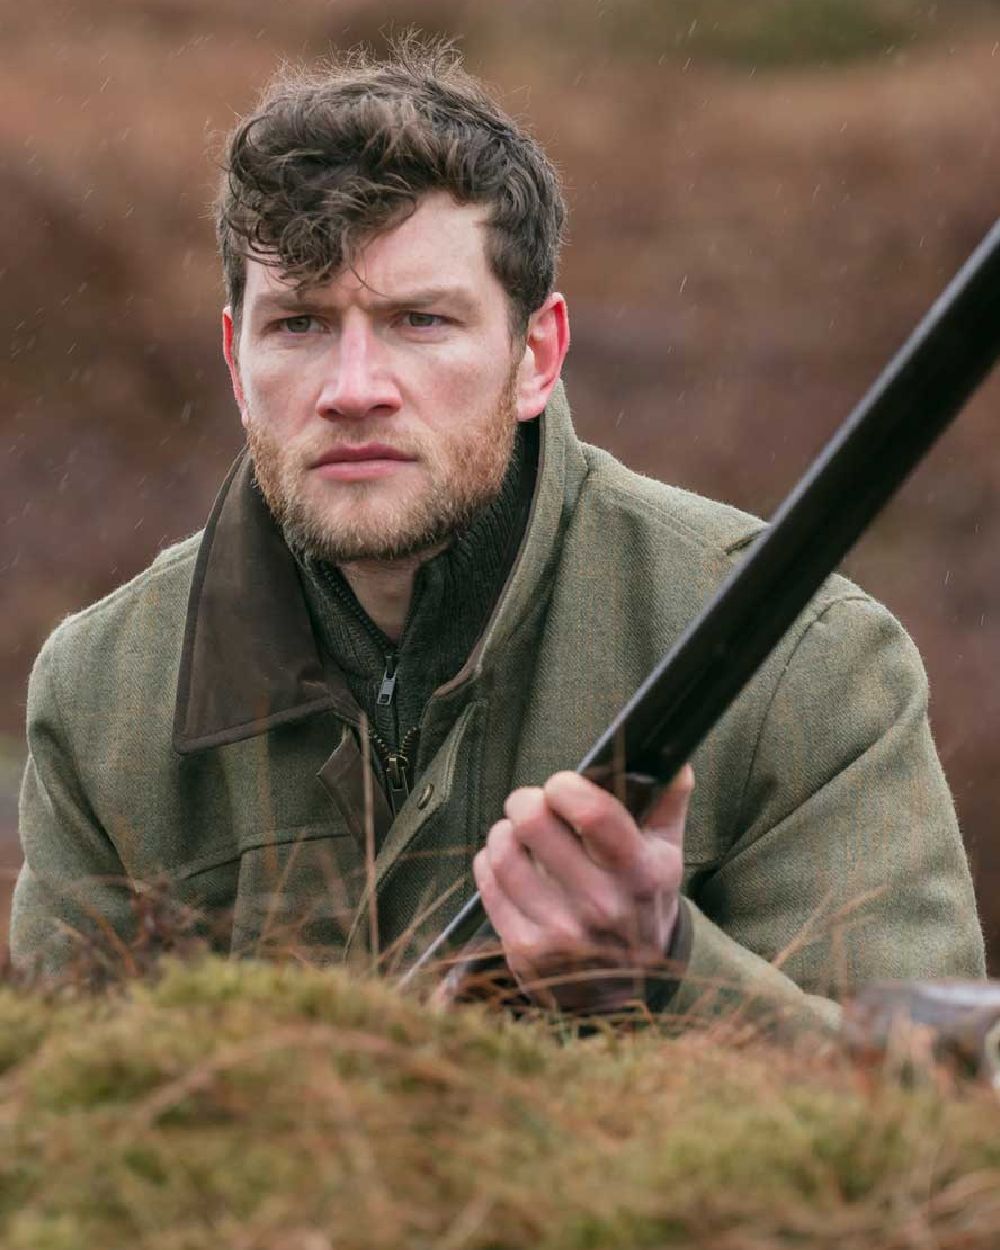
(459, 472)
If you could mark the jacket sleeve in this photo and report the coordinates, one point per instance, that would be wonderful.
(847, 865)
(72, 898)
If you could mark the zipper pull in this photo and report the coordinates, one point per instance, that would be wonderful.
(388, 687)
(396, 768)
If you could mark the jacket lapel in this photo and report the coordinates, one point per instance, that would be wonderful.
(249, 661)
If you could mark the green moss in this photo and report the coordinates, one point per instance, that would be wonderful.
(254, 1105)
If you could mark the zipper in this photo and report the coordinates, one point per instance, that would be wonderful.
(397, 766)
(388, 687)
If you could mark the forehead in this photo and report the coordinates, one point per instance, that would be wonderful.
(442, 243)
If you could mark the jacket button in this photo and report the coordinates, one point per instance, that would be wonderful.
(425, 796)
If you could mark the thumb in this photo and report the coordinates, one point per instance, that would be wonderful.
(666, 818)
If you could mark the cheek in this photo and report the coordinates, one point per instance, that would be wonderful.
(275, 393)
(466, 383)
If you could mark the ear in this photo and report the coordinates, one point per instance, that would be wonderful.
(545, 348)
(229, 351)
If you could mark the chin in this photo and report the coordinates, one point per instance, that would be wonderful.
(360, 533)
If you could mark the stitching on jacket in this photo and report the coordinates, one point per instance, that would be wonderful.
(309, 832)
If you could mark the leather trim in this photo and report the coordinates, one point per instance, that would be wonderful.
(249, 661)
(343, 779)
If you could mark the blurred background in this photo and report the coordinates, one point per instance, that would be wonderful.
(765, 196)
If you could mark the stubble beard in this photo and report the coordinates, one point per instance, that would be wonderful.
(372, 521)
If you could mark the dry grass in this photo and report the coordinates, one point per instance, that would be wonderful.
(259, 1106)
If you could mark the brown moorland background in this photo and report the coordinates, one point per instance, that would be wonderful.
(765, 195)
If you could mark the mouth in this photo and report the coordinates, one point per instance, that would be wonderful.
(355, 455)
(367, 460)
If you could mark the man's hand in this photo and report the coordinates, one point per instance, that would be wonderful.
(577, 891)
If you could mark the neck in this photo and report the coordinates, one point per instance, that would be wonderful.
(384, 588)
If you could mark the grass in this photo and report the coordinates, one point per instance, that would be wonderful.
(281, 1107)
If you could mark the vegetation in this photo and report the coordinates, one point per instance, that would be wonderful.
(757, 33)
(262, 1106)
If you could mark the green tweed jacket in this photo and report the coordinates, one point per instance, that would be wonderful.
(185, 729)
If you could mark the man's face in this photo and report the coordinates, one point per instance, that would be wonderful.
(380, 408)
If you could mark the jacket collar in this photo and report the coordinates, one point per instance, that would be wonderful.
(250, 661)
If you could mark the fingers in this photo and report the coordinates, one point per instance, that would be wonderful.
(590, 876)
(568, 876)
(513, 927)
(601, 822)
(648, 861)
(547, 893)
(517, 875)
(528, 945)
(559, 852)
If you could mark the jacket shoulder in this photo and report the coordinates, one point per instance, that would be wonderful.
(709, 536)
(716, 527)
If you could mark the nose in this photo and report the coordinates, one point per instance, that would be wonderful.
(358, 382)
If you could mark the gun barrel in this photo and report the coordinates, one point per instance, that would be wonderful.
(913, 400)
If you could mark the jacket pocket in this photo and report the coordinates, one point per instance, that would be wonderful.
(291, 894)
(297, 896)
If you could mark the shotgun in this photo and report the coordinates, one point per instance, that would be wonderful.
(914, 399)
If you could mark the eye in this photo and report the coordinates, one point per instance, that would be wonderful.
(301, 323)
(422, 320)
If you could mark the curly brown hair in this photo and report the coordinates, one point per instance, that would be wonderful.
(328, 160)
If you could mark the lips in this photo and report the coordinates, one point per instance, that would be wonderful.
(358, 455)
(364, 463)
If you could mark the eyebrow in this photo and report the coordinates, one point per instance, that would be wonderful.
(423, 297)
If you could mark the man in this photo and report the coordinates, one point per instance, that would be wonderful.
(419, 598)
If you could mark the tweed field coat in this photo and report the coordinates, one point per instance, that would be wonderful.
(187, 730)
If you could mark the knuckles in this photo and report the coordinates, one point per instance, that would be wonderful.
(657, 871)
(481, 872)
(503, 850)
(507, 867)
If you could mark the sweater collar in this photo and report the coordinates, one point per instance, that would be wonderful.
(250, 661)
